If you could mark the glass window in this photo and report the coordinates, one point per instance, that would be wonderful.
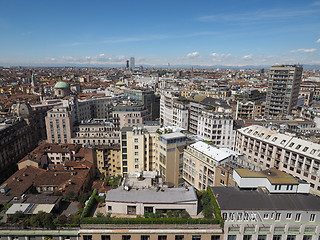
(291, 237)
(196, 237)
(247, 237)
(215, 237)
(87, 237)
(232, 237)
(145, 237)
(307, 237)
(262, 237)
(162, 237)
(276, 237)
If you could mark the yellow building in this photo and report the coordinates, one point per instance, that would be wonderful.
(109, 160)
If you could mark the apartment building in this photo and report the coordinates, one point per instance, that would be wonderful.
(266, 148)
(173, 110)
(95, 132)
(125, 115)
(214, 93)
(109, 160)
(206, 165)
(198, 104)
(171, 147)
(283, 90)
(139, 148)
(245, 110)
(217, 127)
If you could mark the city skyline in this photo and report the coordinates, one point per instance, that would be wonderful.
(205, 33)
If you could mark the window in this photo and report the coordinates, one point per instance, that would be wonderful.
(136, 153)
(109, 208)
(247, 237)
(262, 237)
(289, 215)
(126, 237)
(298, 147)
(312, 217)
(291, 237)
(298, 216)
(266, 216)
(145, 237)
(276, 237)
(105, 237)
(232, 237)
(215, 237)
(131, 209)
(196, 237)
(87, 237)
(179, 237)
(148, 209)
(162, 237)
(307, 237)
(136, 140)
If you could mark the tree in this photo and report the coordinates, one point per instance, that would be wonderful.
(17, 216)
(48, 221)
(70, 195)
(62, 219)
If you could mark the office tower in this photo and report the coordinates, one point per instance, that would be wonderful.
(127, 64)
(283, 90)
(132, 64)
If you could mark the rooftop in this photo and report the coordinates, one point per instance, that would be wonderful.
(211, 151)
(153, 195)
(232, 198)
(275, 176)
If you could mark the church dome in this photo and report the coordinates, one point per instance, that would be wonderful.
(61, 85)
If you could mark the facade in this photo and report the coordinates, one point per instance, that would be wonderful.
(254, 214)
(109, 160)
(130, 115)
(95, 132)
(266, 149)
(283, 90)
(245, 110)
(217, 127)
(139, 148)
(132, 64)
(205, 165)
(274, 180)
(173, 110)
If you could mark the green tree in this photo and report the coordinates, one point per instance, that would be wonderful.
(48, 221)
(100, 215)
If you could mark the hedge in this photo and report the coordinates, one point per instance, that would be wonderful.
(92, 220)
(92, 200)
(216, 209)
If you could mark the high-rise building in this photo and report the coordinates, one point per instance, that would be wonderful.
(283, 90)
(132, 64)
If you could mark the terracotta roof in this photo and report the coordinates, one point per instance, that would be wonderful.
(22, 180)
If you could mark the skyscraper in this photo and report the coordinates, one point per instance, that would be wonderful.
(283, 90)
(132, 64)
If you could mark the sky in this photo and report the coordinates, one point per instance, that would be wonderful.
(175, 32)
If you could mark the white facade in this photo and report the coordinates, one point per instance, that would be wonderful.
(266, 148)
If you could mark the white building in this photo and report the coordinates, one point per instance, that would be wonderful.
(266, 148)
(250, 215)
(144, 193)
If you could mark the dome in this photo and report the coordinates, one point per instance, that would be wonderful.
(61, 85)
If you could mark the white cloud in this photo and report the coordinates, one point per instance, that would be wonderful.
(214, 54)
(247, 57)
(318, 41)
(302, 50)
(193, 54)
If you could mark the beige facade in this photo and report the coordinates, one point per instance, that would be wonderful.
(204, 165)
(109, 160)
(169, 164)
(219, 93)
(139, 148)
(154, 232)
(59, 123)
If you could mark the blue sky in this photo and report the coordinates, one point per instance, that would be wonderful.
(179, 32)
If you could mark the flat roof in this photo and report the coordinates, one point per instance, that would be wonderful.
(173, 135)
(275, 176)
(163, 195)
(211, 151)
(232, 198)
